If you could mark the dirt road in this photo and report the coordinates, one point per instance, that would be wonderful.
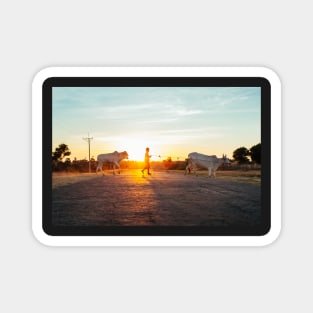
(163, 199)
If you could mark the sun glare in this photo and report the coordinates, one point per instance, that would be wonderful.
(136, 149)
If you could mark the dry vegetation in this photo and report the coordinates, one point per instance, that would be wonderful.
(249, 176)
(253, 176)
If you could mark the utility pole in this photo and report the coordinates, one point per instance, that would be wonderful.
(88, 139)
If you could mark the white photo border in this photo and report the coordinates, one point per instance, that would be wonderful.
(157, 241)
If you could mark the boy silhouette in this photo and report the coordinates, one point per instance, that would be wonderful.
(147, 162)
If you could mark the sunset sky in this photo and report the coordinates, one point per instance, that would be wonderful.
(172, 121)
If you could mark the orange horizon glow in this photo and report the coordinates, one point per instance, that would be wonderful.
(136, 152)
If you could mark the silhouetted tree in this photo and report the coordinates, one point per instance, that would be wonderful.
(241, 155)
(255, 153)
(60, 152)
(57, 156)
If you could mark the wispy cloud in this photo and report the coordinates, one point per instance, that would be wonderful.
(186, 112)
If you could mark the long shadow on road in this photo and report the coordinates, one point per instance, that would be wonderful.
(165, 199)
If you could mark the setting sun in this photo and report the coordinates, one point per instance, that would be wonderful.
(135, 148)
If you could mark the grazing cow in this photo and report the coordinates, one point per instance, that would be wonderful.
(113, 158)
(211, 162)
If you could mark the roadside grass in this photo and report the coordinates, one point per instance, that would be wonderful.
(248, 176)
(253, 176)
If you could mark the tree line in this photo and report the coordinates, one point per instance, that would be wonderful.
(61, 161)
(243, 155)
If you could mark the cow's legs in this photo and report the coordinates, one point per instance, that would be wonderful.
(194, 167)
(209, 171)
(188, 168)
(118, 166)
(98, 168)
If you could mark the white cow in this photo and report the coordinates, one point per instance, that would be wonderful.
(113, 158)
(211, 162)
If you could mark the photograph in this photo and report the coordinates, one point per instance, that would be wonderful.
(160, 159)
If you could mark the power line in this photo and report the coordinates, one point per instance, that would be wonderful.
(88, 139)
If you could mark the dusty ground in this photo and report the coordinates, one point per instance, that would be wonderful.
(163, 199)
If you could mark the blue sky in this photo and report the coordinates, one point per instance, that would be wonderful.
(172, 121)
